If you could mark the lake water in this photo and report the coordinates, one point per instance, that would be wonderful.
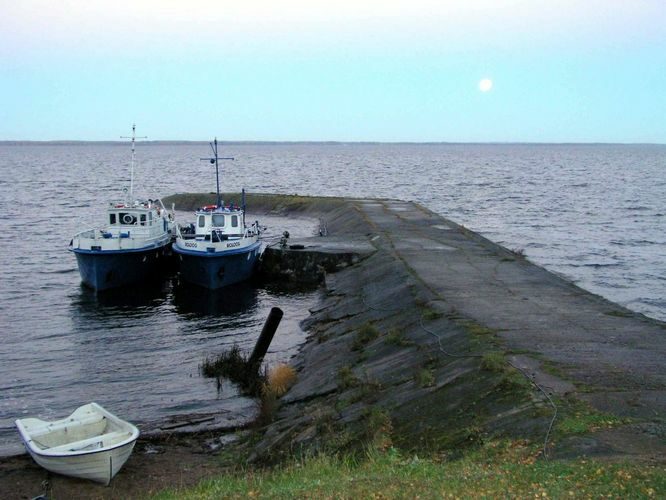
(592, 213)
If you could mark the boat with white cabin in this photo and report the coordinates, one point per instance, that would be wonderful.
(92, 443)
(132, 246)
(219, 248)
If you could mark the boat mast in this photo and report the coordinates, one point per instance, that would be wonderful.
(215, 159)
(134, 137)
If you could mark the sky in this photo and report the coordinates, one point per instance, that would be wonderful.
(361, 70)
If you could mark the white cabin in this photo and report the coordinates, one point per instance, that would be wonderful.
(129, 226)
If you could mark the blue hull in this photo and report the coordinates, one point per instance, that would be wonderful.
(215, 271)
(105, 270)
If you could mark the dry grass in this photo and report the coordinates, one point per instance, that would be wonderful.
(280, 379)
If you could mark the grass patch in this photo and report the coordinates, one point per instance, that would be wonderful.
(495, 470)
(364, 335)
(233, 365)
(493, 362)
(425, 378)
(515, 383)
(278, 381)
(430, 314)
(397, 337)
(378, 428)
(346, 378)
(582, 424)
(474, 328)
(580, 418)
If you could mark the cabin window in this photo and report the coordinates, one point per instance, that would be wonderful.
(234, 221)
(112, 218)
(150, 218)
(127, 219)
(143, 219)
(202, 221)
(218, 220)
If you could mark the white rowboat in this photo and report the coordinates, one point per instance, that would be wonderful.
(91, 443)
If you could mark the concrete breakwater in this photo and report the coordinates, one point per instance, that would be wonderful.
(429, 336)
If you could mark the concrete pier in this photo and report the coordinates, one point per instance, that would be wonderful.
(412, 313)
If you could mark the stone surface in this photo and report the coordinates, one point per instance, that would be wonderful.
(437, 300)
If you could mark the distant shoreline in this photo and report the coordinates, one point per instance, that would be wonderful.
(320, 143)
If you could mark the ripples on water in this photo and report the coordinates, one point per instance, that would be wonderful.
(593, 213)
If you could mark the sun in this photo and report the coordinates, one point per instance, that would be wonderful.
(485, 85)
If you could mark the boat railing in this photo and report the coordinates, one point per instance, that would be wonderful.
(146, 233)
(87, 234)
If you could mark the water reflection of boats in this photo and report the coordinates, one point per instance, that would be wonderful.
(136, 298)
(227, 301)
(133, 245)
(219, 249)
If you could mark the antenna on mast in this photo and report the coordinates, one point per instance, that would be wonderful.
(215, 159)
(134, 137)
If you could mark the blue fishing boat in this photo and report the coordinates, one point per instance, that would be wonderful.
(132, 246)
(218, 249)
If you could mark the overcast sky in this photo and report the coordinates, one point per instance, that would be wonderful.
(363, 70)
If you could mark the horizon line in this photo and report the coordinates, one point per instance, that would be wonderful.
(157, 142)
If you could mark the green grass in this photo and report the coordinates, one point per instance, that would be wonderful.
(431, 315)
(234, 365)
(346, 378)
(397, 337)
(474, 328)
(497, 470)
(494, 361)
(580, 418)
(425, 378)
(364, 335)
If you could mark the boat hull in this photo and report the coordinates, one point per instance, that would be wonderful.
(217, 270)
(92, 443)
(99, 466)
(103, 270)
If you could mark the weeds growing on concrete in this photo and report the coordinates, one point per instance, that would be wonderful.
(425, 378)
(474, 328)
(580, 418)
(493, 362)
(346, 378)
(431, 315)
(397, 337)
(365, 334)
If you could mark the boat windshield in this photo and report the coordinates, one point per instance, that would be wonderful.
(218, 220)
